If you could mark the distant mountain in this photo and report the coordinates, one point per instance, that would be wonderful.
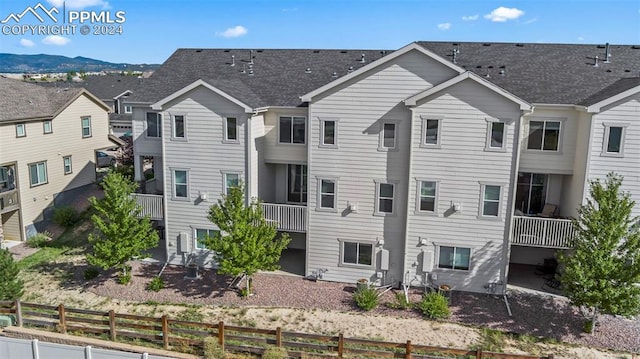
(54, 63)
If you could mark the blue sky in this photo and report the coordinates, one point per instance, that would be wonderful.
(153, 29)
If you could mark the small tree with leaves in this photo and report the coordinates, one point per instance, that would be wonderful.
(246, 242)
(602, 270)
(11, 286)
(121, 233)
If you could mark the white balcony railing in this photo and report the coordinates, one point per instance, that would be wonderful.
(9, 200)
(542, 232)
(290, 218)
(151, 205)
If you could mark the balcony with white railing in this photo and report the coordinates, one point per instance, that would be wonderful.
(151, 204)
(542, 232)
(289, 218)
(9, 201)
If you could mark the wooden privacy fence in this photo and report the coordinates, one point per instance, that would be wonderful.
(168, 333)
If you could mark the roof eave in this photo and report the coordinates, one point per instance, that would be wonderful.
(158, 106)
(597, 107)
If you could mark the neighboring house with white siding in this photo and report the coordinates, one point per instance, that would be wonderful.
(48, 139)
(426, 165)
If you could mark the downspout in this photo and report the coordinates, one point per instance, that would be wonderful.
(165, 193)
(585, 186)
(506, 252)
(405, 270)
(248, 153)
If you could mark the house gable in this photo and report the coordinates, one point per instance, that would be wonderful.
(199, 83)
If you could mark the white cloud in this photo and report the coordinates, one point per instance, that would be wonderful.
(503, 14)
(470, 17)
(531, 21)
(78, 4)
(444, 26)
(235, 31)
(26, 43)
(55, 40)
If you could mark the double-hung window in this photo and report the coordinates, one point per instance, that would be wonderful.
(328, 133)
(490, 206)
(430, 132)
(496, 135)
(21, 130)
(181, 184)
(86, 127)
(231, 180)
(202, 235)
(384, 200)
(454, 258)
(47, 127)
(292, 129)
(179, 127)
(427, 196)
(388, 136)
(544, 135)
(327, 194)
(231, 129)
(66, 162)
(128, 109)
(357, 253)
(38, 173)
(154, 124)
(613, 144)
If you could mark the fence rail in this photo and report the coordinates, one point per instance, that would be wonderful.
(151, 205)
(290, 218)
(166, 333)
(542, 232)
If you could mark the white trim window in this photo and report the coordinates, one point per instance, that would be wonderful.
(490, 206)
(154, 124)
(388, 136)
(180, 184)
(327, 190)
(231, 129)
(384, 198)
(67, 165)
(544, 135)
(230, 180)
(128, 109)
(179, 127)
(328, 133)
(431, 132)
(457, 258)
(496, 135)
(427, 196)
(200, 235)
(47, 127)
(292, 129)
(614, 136)
(21, 130)
(38, 173)
(359, 254)
(86, 126)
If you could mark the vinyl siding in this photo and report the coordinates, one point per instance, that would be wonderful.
(460, 166)
(275, 152)
(573, 186)
(627, 112)
(361, 107)
(561, 161)
(65, 140)
(205, 156)
(143, 145)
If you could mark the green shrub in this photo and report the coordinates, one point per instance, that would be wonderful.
(65, 216)
(587, 327)
(275, 353)
(91, 273)
(434, 306)
(212, 349)
(155, 284)
(11, 286)
(39, 240)
(366, 298)
(399, 302)
(124, 277)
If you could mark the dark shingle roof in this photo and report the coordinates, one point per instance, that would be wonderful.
(104, 87)
(616, 88)
(537, 73)
(279, 76)
(544, 73)
(22, 100)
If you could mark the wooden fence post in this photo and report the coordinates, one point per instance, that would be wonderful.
(165, 332)
(112, 324)
(62, 321)
(278, 337)
(221, 334)
(18, 313)
(340, 345)
(479, 353)
(408, 349)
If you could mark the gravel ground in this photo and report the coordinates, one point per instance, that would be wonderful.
(539, 315)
